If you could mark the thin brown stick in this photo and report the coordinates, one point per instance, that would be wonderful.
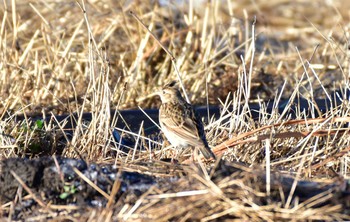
(173, 59)
(20, 181)
(234, 140)
(115, 188)
(88, 181)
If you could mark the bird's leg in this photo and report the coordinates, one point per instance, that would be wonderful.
(175, 155)
(194, 155)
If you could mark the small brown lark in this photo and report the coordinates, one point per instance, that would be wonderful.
(180, 124)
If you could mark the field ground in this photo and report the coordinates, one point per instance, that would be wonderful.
(62, 61)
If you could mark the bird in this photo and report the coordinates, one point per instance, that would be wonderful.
(179, 122)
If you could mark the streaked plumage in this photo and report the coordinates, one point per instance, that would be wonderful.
(181, 126)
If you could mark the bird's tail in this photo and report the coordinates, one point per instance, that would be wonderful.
(207, 153)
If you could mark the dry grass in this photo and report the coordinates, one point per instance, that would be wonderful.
(57, 59)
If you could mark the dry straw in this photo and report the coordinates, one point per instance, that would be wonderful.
(61, 57)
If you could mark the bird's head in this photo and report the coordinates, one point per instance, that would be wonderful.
(170, 93)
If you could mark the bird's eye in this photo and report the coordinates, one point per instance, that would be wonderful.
(163, 91)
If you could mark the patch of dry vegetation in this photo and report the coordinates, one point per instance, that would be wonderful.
(66, 57)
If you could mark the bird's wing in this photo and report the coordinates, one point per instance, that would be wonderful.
(185, 127)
